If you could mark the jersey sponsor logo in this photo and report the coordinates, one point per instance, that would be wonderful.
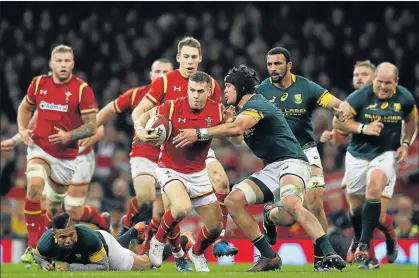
(397, 107)
(384, 105)
(78, 256)
(272, 100)
(372, 107)
(52, 106)
(284, 96)
(176, 88)
(181, 120)
(298, 99)
(43, 92)
(386, 119)
(208, 120)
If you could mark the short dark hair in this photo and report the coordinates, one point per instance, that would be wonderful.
(280, 50)
(200, 77)
(61, 221)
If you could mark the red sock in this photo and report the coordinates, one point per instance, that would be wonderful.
(204, 240)
(152, 228)
(220, 199)
(132, 209)
(47, 221)
(98, 219)
(173, 239)
(166, 225)
(33, 220)
(371, 252)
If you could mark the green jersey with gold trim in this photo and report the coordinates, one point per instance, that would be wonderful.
(297, 103)
(270, 139)
(90, 247)
(367, 107)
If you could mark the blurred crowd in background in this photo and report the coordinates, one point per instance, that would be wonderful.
(115, 44)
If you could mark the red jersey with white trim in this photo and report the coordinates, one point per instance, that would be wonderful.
(129, 100)
(190, 159)
(173, 85)
(60, 105)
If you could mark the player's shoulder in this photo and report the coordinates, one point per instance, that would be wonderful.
(83, 229)
(264, 84)
(403, 92)
(362, 93)
(175, 74)
(301, 79)
(78, 81)
(255, 101)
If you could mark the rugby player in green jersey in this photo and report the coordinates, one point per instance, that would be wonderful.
(376, 150)
(297, 97)
(364, 74)
(286, 170)
(84, 249)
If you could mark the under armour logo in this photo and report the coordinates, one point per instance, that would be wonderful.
(43, 92)
(181, 120)
(176, 88)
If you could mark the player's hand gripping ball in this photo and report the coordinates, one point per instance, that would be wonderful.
(162, 128)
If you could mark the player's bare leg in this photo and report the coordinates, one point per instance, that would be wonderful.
(314, 201)
(37, 173)
(371, 212)
(211, 216)
(221, 185)
(236, 203)
(78, 211)
(178, 205)
(145, 191)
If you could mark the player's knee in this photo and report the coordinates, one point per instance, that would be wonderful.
(34, 191)
(220, 183)
(180, 211)
(216, 230)
(234, 200)
(54, 207)
(291, 197)
(71, 202)
(281, 217)
(292, 204)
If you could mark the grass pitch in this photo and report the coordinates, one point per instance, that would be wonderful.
(218, 271)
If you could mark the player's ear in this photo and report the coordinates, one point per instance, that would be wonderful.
(289, 66)
(50, 64)
(177, 57)
(200, 59)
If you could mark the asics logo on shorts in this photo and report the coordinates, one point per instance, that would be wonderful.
(52, 106)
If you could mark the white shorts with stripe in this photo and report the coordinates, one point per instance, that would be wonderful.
(85, 168)
(358, 172)
(120, 258)
(62, 170)
(273, 172)
(197, 185)
(143, 166)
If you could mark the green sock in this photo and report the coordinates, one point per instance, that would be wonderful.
(264, 248)
(324, 245)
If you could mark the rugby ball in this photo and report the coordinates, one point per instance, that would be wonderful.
(162, 128)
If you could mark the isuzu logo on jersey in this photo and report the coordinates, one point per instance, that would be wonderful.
(176, 88)
(52, 106)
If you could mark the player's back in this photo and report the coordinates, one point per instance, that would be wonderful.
(190, 159)
(173, 85)
(62, 106)
(271, 139)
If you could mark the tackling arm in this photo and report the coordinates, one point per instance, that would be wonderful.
(410, 128)
(101, 265)
(105, 114)
(236, 128)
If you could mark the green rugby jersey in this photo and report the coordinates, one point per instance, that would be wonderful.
(90, 247)
(367, 107)
(297, 103)
(271, 138)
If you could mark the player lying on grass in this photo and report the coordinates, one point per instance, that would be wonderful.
(84, 249)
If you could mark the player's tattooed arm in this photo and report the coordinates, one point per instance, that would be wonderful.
(98, 266)
(87, 129)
